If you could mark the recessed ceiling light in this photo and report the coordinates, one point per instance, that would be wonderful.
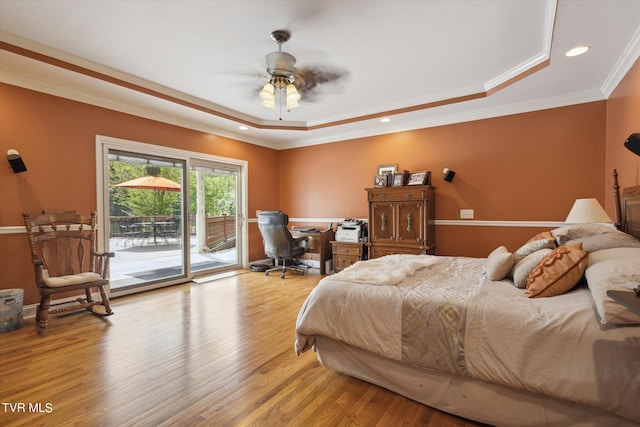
(243, 127)
(385, 120)
(578, 50)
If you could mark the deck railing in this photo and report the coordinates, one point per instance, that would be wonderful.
(219, 229)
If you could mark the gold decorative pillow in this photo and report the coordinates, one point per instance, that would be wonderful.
(558, 272)
(520, 271)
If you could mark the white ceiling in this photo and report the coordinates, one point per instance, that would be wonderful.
(200, 62)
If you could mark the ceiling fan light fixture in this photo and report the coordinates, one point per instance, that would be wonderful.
(292, 93)
(287, 83)
(292, 96)
(267, 93)
(269, 104)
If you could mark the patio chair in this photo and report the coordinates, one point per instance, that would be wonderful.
(63, 251)
(169, 229)
(128, 234)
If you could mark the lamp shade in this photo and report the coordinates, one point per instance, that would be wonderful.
(267, 94)
(292, 93)
(587, 211)
(633, 143)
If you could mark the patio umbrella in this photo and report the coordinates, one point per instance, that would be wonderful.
(150, 182)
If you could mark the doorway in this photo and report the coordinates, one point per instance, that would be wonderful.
(168, 215)
(214, 189)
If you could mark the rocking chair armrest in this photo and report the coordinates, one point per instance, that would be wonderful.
(102, 263)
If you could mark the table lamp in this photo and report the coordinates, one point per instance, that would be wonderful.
(586, 211)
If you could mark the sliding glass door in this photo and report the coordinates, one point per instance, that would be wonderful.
(213, 199)
(145, 218)
(168, 215)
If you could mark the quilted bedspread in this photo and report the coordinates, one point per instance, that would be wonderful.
(410, 313)
(441, 313)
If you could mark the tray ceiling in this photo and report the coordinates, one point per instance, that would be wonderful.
(200, 64)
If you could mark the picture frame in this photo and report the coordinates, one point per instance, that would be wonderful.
(419, 178)
(400, 178)
(387, 169)
(381, 180)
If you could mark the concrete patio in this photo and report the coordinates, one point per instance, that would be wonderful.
(152, 262)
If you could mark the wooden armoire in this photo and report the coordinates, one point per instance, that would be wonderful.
(401, 220)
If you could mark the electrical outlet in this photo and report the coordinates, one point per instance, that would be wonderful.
(466, 213)
(258, 212)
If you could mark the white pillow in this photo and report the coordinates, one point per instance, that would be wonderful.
(498, 264)
(613, 269)
(576, 231)
(525, 266)
(533, 246)
(615, 239)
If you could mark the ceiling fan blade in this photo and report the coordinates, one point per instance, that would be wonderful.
(307, 79)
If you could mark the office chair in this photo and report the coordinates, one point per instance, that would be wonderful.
(278, 242)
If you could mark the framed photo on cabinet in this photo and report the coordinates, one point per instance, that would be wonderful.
(400, 178)
(384, 169)
(380, 180)
(419, 178)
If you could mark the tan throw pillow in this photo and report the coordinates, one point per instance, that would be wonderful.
(498, 264)
(558, 272)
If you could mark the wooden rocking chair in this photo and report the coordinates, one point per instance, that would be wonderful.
(63, 248)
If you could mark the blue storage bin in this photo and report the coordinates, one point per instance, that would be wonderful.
(11, 301)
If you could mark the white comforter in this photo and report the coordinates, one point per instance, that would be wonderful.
(552, 346)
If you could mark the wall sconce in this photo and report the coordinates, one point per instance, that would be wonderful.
(633, 143)
(587, 211)
(15, 161)
(448, 174)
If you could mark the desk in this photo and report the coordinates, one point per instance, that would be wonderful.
(346, 254)
(318, 246)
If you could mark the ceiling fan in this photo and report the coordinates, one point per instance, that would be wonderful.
(287, 83)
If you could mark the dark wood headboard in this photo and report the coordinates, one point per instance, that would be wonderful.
(631, 211)
(627, 208)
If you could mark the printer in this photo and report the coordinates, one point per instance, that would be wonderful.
(351, 231)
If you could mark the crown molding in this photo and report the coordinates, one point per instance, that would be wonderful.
(623, 65)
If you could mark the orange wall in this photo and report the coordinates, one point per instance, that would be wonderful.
(525, 167)
(56, 139)
(623, 119)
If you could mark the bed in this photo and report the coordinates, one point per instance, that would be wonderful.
(527, 337)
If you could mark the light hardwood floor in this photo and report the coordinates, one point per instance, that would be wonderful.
(213, 354)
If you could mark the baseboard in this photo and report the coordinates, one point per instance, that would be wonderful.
(29, 311)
